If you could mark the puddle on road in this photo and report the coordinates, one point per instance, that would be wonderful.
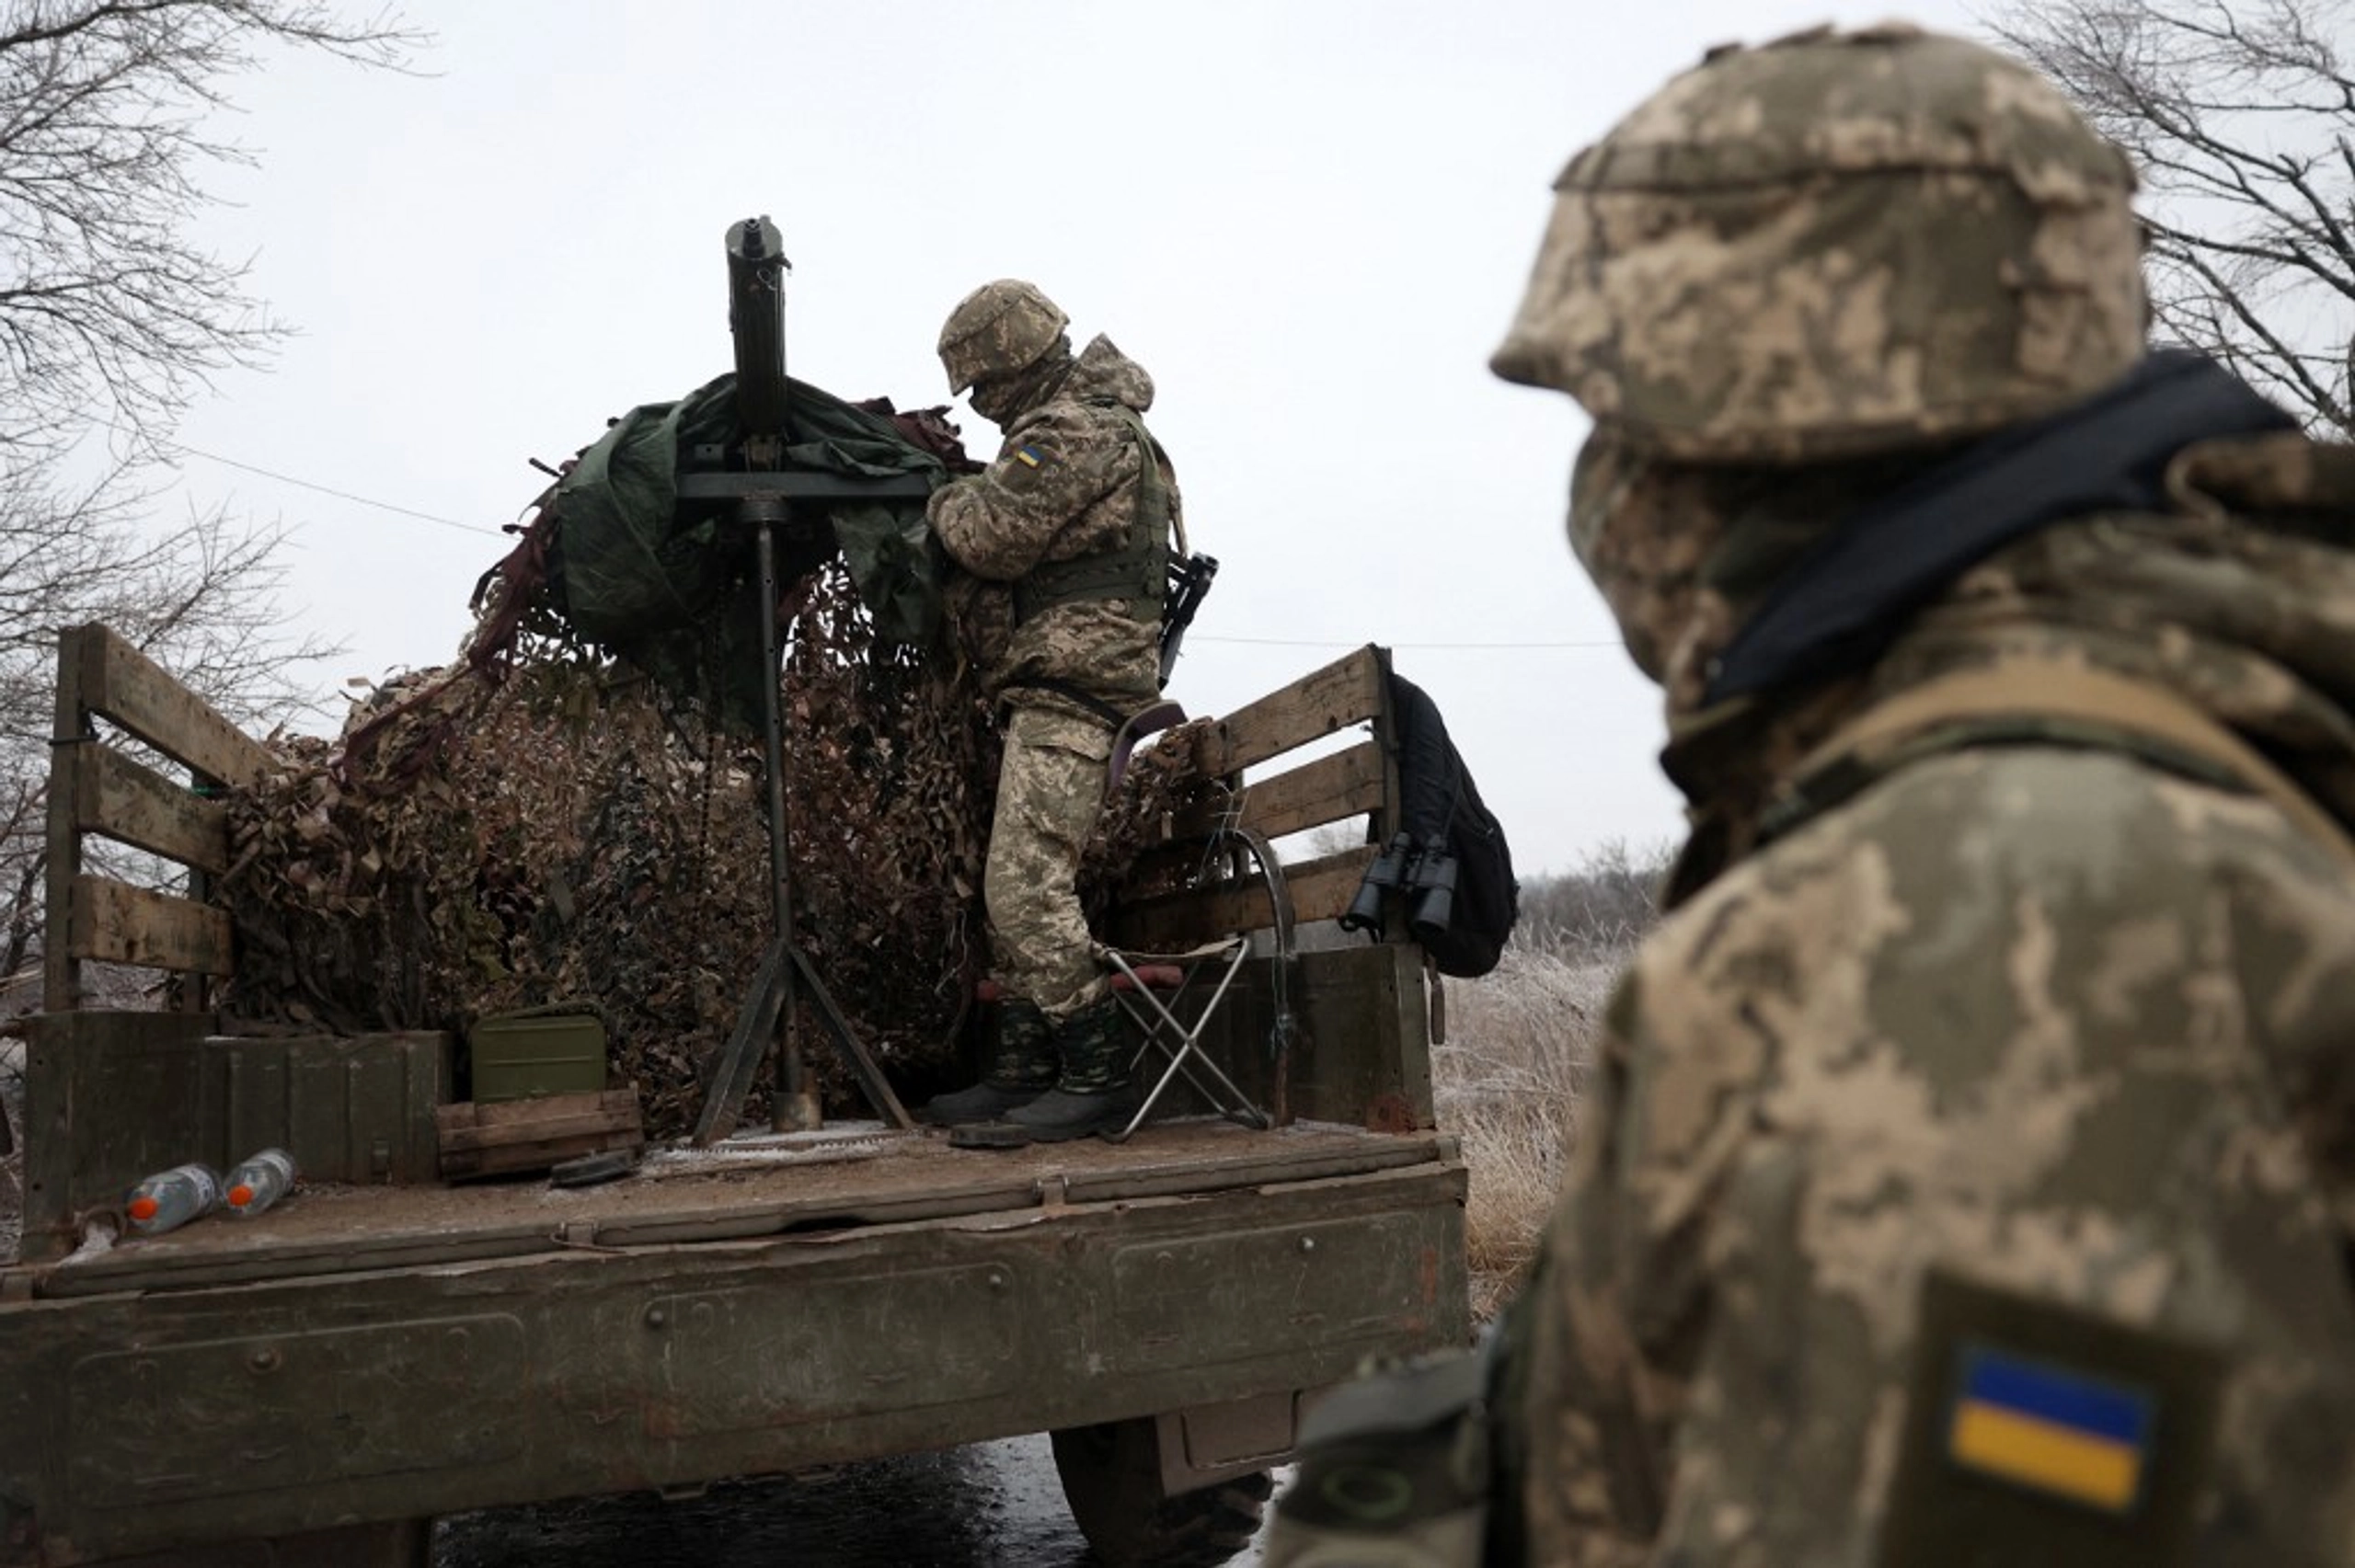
(991, 1506)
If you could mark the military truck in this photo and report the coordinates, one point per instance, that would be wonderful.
(313, 1385)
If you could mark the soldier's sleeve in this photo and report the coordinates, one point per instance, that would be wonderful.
(1597, 1347)
(1971, 1027)
(1001, 522)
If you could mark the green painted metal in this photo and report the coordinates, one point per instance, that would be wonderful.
(134, 1421)
(516, 1057)
(110, 1097)
(337, 1370)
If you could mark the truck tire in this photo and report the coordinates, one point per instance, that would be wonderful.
(1111, 1476)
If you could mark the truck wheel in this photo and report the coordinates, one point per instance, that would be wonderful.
(1111, 1476)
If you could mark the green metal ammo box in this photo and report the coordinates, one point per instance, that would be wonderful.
(517, 1056)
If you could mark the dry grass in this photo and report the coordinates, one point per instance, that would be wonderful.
(1507, 1083)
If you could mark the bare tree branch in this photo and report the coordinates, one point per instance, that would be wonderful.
(2242, 118)
(112, 319)
(2282, 361)
(104, 300)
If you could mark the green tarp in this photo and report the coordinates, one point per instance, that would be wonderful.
(664, 583)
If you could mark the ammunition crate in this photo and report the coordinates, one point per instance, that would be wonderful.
(115, 1096)
(357, 1108)
(521, 1056)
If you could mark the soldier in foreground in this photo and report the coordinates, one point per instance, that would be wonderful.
(1970, 1168)
(1064, 537)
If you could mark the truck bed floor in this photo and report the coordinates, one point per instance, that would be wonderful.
(747, 1188)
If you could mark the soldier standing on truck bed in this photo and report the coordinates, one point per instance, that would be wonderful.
(1065, 535)
(1969, 1170)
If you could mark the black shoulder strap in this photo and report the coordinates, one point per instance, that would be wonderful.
(1840, 605)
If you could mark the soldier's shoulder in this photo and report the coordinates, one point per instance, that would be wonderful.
(1964, 842)
(2023, 811)
(1081, 422)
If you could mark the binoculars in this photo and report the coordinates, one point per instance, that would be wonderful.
(1426, 874)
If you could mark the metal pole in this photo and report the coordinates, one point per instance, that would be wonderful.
(793, 1107)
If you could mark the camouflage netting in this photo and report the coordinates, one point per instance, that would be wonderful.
(551, 828)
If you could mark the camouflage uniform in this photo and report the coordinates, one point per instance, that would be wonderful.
(2021, 998)
(1065, 485)
(2053, 1014)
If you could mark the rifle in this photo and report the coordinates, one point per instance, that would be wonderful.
(1189, 584)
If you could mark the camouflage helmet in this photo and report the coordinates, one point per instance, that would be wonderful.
(1835, 245)
(997, 329)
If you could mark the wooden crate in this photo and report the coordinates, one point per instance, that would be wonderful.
(507, 1136)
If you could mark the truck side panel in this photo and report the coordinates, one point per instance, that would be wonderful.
(149, 1420)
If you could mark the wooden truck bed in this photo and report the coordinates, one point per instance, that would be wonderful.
(310, 1387)
(370, 1357)
(746, 1189)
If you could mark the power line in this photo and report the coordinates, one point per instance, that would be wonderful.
(1358, 642)
(331, 490)
(1254, 642)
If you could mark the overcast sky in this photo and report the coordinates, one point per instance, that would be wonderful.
(1310, 221)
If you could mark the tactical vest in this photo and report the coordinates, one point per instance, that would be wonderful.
(1137, 567)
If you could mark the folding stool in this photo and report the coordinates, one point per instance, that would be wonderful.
(1138, 982)
(1151, 986)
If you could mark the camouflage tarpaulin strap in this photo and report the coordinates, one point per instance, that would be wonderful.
(2028, 701)
(1138, 568)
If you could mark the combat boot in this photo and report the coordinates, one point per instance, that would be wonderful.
(1092, 1092)
(1021, 1068)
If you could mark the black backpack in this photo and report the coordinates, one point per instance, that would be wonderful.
(1450, 858)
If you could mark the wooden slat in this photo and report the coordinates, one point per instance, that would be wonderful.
(509, 1136)
(61, 990)
(622, 1101)
(535, 1154)
(1331, 789)
(122, 799)
(1320, 890)
(1347, 692)
(122, 924)
(915, 1183)
(126, 686)
(475, 1139)
(477, 1126)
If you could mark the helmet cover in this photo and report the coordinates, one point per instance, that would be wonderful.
(1835, 245)
(997, 331)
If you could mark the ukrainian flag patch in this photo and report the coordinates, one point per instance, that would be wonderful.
(1027, 456)
(2070, 1434)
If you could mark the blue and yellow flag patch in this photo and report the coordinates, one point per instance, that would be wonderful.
(2072, 1435)
(1029, 456)
(2039, 1431)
